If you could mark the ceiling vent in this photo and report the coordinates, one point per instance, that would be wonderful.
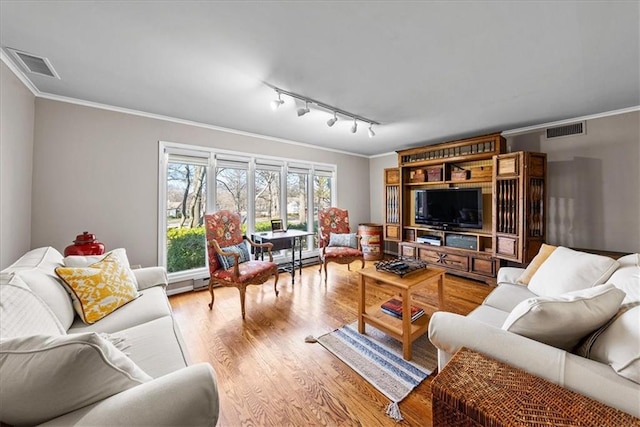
(566, 130)
(35, 64)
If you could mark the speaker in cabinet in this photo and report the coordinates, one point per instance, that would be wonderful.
(462, 241)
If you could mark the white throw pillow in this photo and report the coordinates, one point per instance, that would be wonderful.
(627, 278)
(567, 270)
(44, 377)
(619, 345)
(564, 320)
(87, 260)
(22, 312)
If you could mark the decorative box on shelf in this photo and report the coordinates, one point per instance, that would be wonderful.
(434, 174)
(417, 175)
(460, 175)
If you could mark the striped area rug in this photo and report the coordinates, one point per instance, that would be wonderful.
(378, 359)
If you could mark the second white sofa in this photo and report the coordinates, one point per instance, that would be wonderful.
(564, 296)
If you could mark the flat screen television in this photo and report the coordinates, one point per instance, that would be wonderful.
(449, 207)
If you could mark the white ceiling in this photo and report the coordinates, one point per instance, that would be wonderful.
(427, 71)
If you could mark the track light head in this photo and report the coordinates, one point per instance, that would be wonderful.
(332, 121)
(354, 128)
(276, 103)
(371, 132)
(305, 110)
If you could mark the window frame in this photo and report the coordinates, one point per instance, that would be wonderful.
(214, 158)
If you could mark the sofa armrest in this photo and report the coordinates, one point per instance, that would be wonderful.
(509, 275)
(450, 332)
(187, 397)
(148, 277)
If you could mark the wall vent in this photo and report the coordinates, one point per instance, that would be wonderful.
(35, 64)
(566, 130)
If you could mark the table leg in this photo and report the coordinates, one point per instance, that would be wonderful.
(300, 253)
(293, 260)
(361, 308)
(406, 325)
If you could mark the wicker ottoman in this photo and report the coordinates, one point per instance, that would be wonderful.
(474, 390)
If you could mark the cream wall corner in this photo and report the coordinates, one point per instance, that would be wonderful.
(17, 111)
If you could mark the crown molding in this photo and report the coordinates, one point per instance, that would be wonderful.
(520, 131)
(18, 72)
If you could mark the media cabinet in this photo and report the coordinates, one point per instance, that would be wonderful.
(513, 200)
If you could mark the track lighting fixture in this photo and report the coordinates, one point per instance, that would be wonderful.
(305, 110)
(275, 104)
(332, 121)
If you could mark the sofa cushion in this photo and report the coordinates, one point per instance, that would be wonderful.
(544, 253)
(101, 288)
(37, 269)
(509, 275)
(506, 296)
(619, 344)
(566, 270)
(563, 320)
(87, 260)
(43, 376)
(150, 305)
(156, 347)
(627, 278)
(489, 315)
(22, 312)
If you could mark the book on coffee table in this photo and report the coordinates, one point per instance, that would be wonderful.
(393, 307)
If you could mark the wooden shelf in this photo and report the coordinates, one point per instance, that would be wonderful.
(466, 181)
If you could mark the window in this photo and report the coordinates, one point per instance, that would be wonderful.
(185, 204)
(268, 201)
(195, 180)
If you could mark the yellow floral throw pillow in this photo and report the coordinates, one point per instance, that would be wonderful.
(99, 289)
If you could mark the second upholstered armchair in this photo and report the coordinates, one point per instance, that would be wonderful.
(336, 242)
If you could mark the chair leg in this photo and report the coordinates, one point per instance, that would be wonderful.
(362, 261)
(349, 266)
(275, 283)
(211, 292)
(325, 271)
(321, 263)
(242, 290)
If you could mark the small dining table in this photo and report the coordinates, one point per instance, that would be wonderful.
(289, 239)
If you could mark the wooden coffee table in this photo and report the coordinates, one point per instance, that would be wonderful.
(404, 287)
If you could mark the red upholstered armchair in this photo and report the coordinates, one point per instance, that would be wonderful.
(230, 263)
(337, 243)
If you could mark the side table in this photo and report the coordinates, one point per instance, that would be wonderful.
(404, 287)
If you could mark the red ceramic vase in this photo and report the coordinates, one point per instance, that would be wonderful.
(85, 244)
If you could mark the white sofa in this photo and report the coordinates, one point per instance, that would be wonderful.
(610, 369)
(129, 368)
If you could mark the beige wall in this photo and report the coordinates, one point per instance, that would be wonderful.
(97, 170)
(593, 186)
(17, 108)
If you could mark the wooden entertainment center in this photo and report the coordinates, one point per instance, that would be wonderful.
(513, 187)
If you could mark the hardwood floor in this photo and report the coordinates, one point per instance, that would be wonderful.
(268, 376)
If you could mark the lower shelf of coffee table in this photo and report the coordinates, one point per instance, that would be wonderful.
(392, 326)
